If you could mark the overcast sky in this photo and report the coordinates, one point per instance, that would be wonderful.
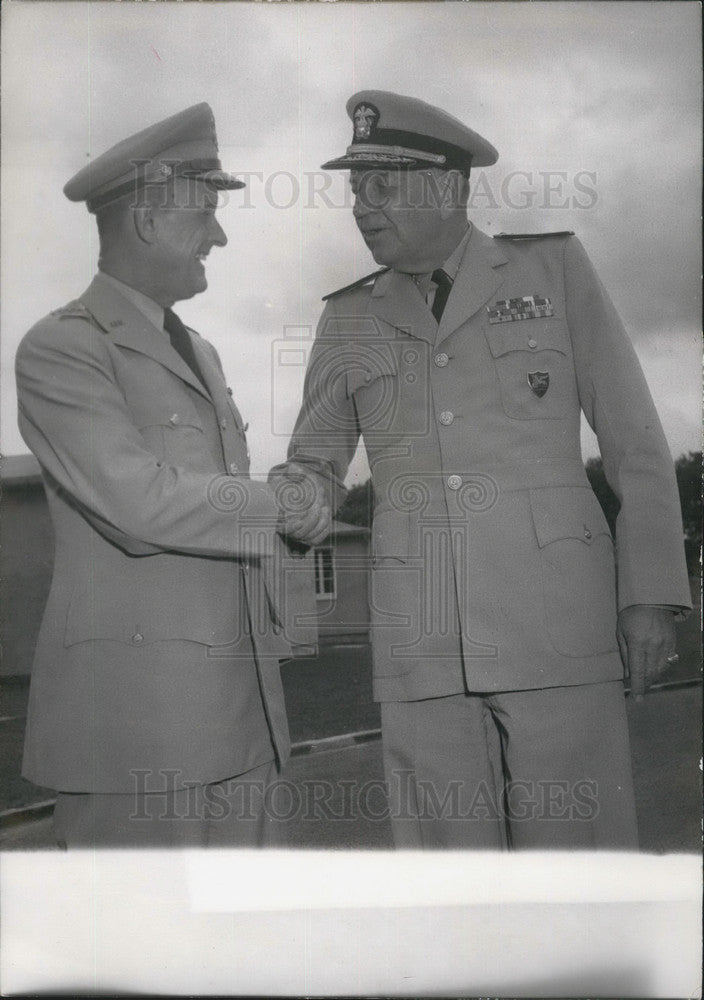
(599, 102)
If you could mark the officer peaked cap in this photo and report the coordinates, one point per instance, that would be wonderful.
(184, 145)
(393, 132)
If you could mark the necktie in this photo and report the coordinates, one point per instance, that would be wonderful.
(442, 293)
(181, 343)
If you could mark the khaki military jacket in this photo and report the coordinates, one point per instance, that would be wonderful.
(493, 565)
(160, 644)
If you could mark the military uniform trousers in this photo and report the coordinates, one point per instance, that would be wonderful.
(229, 813)
(502, 770)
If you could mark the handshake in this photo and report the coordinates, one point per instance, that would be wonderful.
(305, 515)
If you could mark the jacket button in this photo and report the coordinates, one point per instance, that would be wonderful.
(234, 468)
(441, 360)
(137, 638)
(532, 343)
(174, 418)
(223, 424)
(229, 391)
(587, 533)
(446, 417)
(454, 482)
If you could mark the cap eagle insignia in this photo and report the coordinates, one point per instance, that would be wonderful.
(365, 118)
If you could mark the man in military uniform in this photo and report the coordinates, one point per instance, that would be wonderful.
(156, 708)
(502, 618)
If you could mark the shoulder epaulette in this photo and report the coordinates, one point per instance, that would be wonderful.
(531, 236)
(74, 310)
(357, 284)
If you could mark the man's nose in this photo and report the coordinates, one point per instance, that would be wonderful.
(361, 206)
(218, 234)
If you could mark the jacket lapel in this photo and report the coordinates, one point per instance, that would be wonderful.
(478, 278)
(214, 381)
(395, 299)
(125, 325)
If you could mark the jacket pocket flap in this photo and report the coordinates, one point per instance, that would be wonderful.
(567, 512)
(132, 605)
(367, 367)
(527, 335)
(155, 412)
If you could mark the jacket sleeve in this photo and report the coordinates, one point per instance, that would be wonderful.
(74, 418)
(326, 433)
(615, 398)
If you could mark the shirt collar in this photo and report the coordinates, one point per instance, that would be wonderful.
(148, 307)
(450, 266)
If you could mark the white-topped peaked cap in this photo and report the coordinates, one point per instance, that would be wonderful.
(183, 145)
(391, 132)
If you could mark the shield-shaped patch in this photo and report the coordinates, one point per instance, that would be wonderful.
(539, 382)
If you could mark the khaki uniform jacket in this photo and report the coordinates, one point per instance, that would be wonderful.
(493, 565)
(158, 649)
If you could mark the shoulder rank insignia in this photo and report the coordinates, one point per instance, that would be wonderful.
(532, 236)
(74, 310)
(525, 307)
(77, 310)
(357, 284)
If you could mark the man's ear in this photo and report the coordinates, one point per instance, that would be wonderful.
(144, 223)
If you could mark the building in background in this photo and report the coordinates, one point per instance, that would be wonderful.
(342, 584)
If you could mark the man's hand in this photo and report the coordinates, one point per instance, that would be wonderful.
(305, 513)
(310, 528)
(646, 638)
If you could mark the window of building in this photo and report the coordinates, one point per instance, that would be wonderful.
(324, 573)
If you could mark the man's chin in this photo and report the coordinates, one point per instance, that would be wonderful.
(386, 257)
(381, 256)
(375, 244)
(196, 287)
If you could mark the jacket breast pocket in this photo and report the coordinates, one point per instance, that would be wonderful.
(534, 368)
(577, 566)
(173, 434)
